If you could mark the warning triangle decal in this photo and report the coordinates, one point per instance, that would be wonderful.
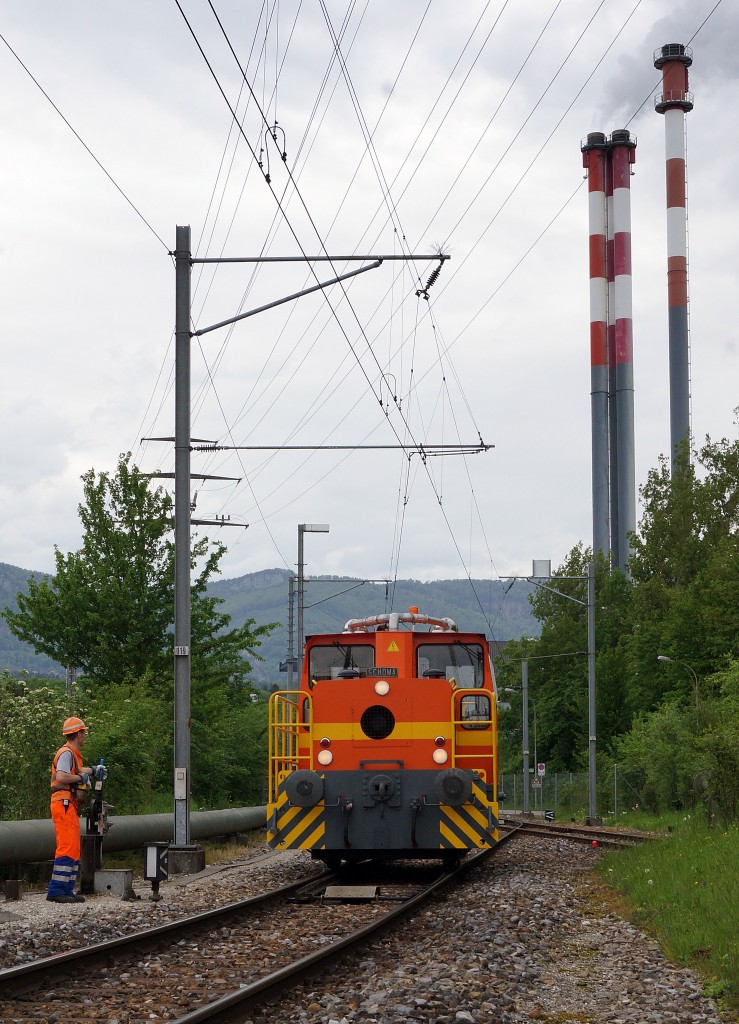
(394, 648)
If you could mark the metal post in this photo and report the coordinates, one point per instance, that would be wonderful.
(537, 790)
(592, 801)
(525, 714)
(301, 596)
(290, 631)
(182, 611)
(71, 680)
(302, 529)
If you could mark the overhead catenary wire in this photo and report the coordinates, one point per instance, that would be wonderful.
(384, 359)
(297, 191)
(84, 145)
(415, 37)
(463, 560)
(343, 331)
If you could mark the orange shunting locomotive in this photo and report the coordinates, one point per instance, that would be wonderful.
(389, 748)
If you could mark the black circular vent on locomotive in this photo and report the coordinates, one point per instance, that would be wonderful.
(377, 722)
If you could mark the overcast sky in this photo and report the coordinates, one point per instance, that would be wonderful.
(475, 133)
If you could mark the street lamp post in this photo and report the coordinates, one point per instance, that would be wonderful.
(302, 529)
(693, 673)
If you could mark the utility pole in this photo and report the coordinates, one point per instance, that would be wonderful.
(182, 611)
(188, 858)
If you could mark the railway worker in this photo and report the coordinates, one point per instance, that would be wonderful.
(67, 774)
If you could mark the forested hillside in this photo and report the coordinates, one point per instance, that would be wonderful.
(329, 602)
(14, 654)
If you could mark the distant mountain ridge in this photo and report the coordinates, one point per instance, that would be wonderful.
(329, 602)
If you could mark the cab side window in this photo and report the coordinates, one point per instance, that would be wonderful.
(475, 711)
(340, 661)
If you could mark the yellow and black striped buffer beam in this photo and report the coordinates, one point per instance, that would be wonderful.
(471, 826)
(296, 828)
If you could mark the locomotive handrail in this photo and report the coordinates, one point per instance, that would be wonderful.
(284, 735)
(484, 733)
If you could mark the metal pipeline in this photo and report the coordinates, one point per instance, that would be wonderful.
(24, 842)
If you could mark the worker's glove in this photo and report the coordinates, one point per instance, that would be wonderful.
(85, 780)
(100, 772)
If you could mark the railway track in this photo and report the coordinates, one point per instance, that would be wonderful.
(587, 834)
(207, 967)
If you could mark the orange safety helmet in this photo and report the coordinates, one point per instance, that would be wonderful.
(73, 725)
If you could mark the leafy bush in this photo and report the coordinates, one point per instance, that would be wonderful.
(682, 755)
(32, 719)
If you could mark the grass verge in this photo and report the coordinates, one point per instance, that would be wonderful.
(684, 889)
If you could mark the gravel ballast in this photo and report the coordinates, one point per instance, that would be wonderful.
(528, 937)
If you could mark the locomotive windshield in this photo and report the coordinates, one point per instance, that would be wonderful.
(335, 660)
(458, 661)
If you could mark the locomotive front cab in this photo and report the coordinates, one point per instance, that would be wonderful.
(389, 748)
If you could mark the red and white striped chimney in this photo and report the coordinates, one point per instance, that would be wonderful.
(622, 154)
(608, 163)
(594, 160)
(674, 102)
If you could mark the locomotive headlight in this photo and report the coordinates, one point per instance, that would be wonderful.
(382, 687)
(325, 757)
(440, 756)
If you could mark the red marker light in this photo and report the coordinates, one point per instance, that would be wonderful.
(595, 844)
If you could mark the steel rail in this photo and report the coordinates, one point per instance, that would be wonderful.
(13, 979)
(587, 835)
(232, 1006)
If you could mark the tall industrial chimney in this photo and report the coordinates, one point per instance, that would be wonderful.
(608, 163)
(594, 159)
(622, 154)
(674, 102)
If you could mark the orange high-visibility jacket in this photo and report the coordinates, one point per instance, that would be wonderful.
(65, 790)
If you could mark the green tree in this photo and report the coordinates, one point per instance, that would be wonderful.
(685, 569)
(109, 608)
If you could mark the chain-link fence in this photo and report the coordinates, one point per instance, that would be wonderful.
(566, 793)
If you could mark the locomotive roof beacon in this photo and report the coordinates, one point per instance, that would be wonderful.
(389, 749)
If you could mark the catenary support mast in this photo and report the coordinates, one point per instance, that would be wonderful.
(183, 274)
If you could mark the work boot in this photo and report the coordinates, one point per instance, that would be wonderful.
(78, 897)
(61, 899)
